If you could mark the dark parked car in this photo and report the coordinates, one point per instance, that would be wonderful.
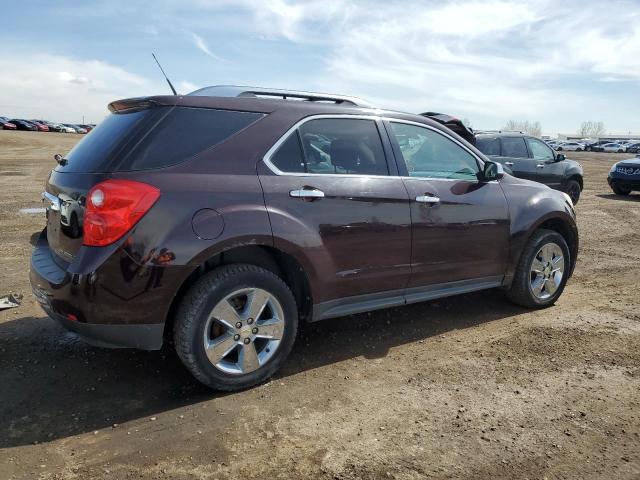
(24, 125)
(633, 148)
(596, 146)
(223, 218)
(531, 158)
(6, 124)
(53, 127)
(624, 176)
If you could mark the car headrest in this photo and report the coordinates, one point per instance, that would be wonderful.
(352, 155)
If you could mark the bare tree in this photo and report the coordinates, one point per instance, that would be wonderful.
(531, 128)
(591, 129)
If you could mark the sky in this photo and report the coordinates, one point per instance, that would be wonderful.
(559, 63)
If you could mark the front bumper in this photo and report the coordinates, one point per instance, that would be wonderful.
(104, 306)
(627, 183)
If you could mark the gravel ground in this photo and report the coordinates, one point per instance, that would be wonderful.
(466, 387)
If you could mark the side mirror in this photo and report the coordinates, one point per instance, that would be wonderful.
(560, 157)
(492, 171)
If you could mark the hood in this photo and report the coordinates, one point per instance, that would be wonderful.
(629, 162)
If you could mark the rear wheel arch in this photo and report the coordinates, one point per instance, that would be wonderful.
(280, 263)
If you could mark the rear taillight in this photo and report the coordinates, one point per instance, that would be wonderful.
(113, 208)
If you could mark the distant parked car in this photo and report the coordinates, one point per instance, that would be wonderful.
(76, 128)
(596, 146)
(87, 127)
(53, 127)
(633, 148)
(530, 158)
(612, 147)
(24, 125)
(67, 129)
(6, 124)
(627, 143)
(570, 146)
(41, 126)
(624, 176)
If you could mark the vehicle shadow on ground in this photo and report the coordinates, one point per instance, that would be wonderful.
(625, 198)
(53, 385)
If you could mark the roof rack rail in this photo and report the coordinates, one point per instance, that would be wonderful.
(257, 92)
(480, 132)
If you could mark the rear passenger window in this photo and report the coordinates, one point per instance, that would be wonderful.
(333, 146)
(288, 158)
(514, 147)
(488, 146)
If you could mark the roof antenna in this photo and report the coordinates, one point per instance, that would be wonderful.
(165, 75)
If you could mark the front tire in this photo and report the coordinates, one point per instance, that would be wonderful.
(236, 326)
(541, 274)
(573, 190)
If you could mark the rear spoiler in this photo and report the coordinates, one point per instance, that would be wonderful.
(454, 124)
(129, 105)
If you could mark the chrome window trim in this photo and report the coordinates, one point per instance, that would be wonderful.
(267, 156)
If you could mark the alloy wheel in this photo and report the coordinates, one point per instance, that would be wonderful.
(244, 331)
(547, 270)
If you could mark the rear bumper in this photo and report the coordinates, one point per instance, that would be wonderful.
(115, 304)
(143, 337)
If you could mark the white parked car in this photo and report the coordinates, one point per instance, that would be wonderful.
(570, 146)
(613, 147)
(65, 129)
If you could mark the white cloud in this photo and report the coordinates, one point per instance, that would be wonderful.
(496, 59)
(64, 89)
(203, 47)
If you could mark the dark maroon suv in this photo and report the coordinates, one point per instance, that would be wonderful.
(222, 218)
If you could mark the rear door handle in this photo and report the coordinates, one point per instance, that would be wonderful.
(540, 165)
(427, 199)
(307, 193)
(509, 164)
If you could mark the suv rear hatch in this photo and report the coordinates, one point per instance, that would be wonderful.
(139, 135)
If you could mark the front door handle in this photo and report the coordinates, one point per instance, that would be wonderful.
(540, 165)
(427, 199)
(509, 164)
(307, 193)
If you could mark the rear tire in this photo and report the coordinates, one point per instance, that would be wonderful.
(217, 337)
(573, 190)
(619, 190)
(541, 273)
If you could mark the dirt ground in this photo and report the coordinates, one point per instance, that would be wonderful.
(466, 387)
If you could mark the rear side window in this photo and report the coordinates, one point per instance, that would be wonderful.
(95, 152)
(488, 146)
(333, 146)
(154, 138)
(514, 147)
(183, 133)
